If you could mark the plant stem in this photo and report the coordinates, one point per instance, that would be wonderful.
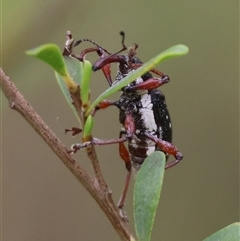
(100, 192)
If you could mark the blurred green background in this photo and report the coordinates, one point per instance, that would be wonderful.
(41, 199)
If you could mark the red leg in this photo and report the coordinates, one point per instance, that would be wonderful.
(149, 84)
(103, 105)
(122, 199)
(168, 148)
(106, 69)
(155, 71)
(123, 152)
(129, 129)
(126, 157)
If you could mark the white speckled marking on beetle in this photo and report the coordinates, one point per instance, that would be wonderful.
(146, 101)
(139, 80)
(151, 149)
(148, 119)
(147, 113)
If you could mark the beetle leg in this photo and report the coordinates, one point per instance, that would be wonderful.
(97, 142)
(103, 105)
(106, 69)
(149, 84)
(78, 146)
(155, 71)
(129, 129)
(168, 148)
(81, 56)
(100, 142)
(126, 158)
(123, 152)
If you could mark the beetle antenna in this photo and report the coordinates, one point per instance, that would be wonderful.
(123, 38)
(123, 45)
(91, 41)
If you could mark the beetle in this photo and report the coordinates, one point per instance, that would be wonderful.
(143, 113)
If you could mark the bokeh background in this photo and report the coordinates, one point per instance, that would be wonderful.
(41, 199)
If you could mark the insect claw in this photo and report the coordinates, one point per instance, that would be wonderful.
(179, 156)
(79, 146)
(165, 79)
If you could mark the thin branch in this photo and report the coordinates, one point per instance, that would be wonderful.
(91, 152)
(101, 195)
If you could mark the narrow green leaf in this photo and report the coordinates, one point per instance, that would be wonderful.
(175, 51)
(147, 191)
(51, 54)
(231, 233)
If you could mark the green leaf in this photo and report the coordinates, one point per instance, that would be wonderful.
(147, 191)
(175, 51)
(231, 233)
(75, 68)
(87, 73)
(51, 54)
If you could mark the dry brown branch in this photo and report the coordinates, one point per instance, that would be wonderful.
(101, 193)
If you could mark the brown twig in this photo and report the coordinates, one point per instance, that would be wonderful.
(91, 152)
(100, 192)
